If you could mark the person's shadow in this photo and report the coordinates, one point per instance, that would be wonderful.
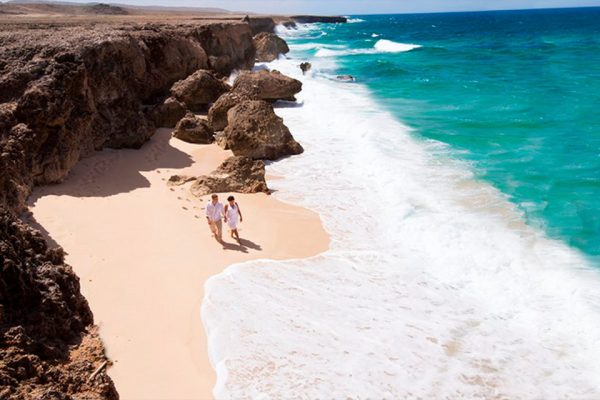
(243, 246)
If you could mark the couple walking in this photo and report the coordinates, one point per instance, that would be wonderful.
(231, 213)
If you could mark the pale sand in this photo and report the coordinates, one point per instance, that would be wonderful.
(143, 253)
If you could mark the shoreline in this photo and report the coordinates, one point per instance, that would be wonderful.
(136, 323)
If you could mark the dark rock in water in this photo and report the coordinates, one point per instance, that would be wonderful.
(168, 113)
(236, 174)
(255, 131)
(269, 46)
(305, 67)
(261, 24)
(217, 114)
(48, 344)
(199, 89)
(193, 129)
(346, 78)
(311, 19)
(271, 86)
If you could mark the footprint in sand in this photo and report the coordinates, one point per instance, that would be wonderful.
(171, 189)
(185, 208)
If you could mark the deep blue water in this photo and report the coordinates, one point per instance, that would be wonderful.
(514, 93)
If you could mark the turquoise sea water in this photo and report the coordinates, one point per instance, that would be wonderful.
(516, 94)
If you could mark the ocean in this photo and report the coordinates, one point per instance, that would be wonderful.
(458, 177)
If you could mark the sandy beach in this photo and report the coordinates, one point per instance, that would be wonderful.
(143, 252)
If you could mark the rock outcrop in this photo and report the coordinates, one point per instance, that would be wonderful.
(217, 114)
(260, 24)
(193, 129)
(199, 89)
(66, 91)
(255, 131)
(168, 113)
(270, 85)
(236, 174)
(269, 46)
(48, 346)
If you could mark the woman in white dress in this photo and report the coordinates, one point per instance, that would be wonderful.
(232, 212)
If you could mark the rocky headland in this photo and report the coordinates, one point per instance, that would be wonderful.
(70, 89)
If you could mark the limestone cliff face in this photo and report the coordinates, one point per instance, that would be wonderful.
(66, 91)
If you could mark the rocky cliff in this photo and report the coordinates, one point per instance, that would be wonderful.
(66, 91)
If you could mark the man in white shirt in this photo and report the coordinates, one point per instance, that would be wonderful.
(214, 213)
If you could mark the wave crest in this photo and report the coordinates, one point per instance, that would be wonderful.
(387, 46)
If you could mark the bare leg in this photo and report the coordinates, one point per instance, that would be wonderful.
(237, 235)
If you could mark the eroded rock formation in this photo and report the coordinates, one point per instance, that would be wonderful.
(255, 131)
(199, 89)
(269, 46)
(168, 113)
(217, 114)
(193, 129)
(48, 347)
(236, 174)
(270, 85)
(66, 91)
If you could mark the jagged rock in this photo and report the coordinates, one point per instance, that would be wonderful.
(193, 129)
(73, 89)
(199, 89)
(305, 67)
(47, 340)
(255, 131)
(236, 174)
(271, 86)
(269, 46)
(67, 90)
(217, 114)
(261, 24)
(168, 113)
(178, 180)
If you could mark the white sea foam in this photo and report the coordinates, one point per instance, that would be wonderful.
(355, 20)
(381, 46)
(388, 46)
(432, 287)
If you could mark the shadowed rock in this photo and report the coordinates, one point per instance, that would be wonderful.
(168, 113)
(269, 46)
(193, 129)
(270, 85)
(199, 89)
(48, 345)
(255, 131)
(236, 174)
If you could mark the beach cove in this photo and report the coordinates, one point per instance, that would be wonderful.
(143, 252)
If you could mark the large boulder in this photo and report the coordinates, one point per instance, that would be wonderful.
(168, 113)
(269, 46)
(255, 131)
(217, 114)
(271, 85)
(193, 129)
(199, 89)
(236, 174)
